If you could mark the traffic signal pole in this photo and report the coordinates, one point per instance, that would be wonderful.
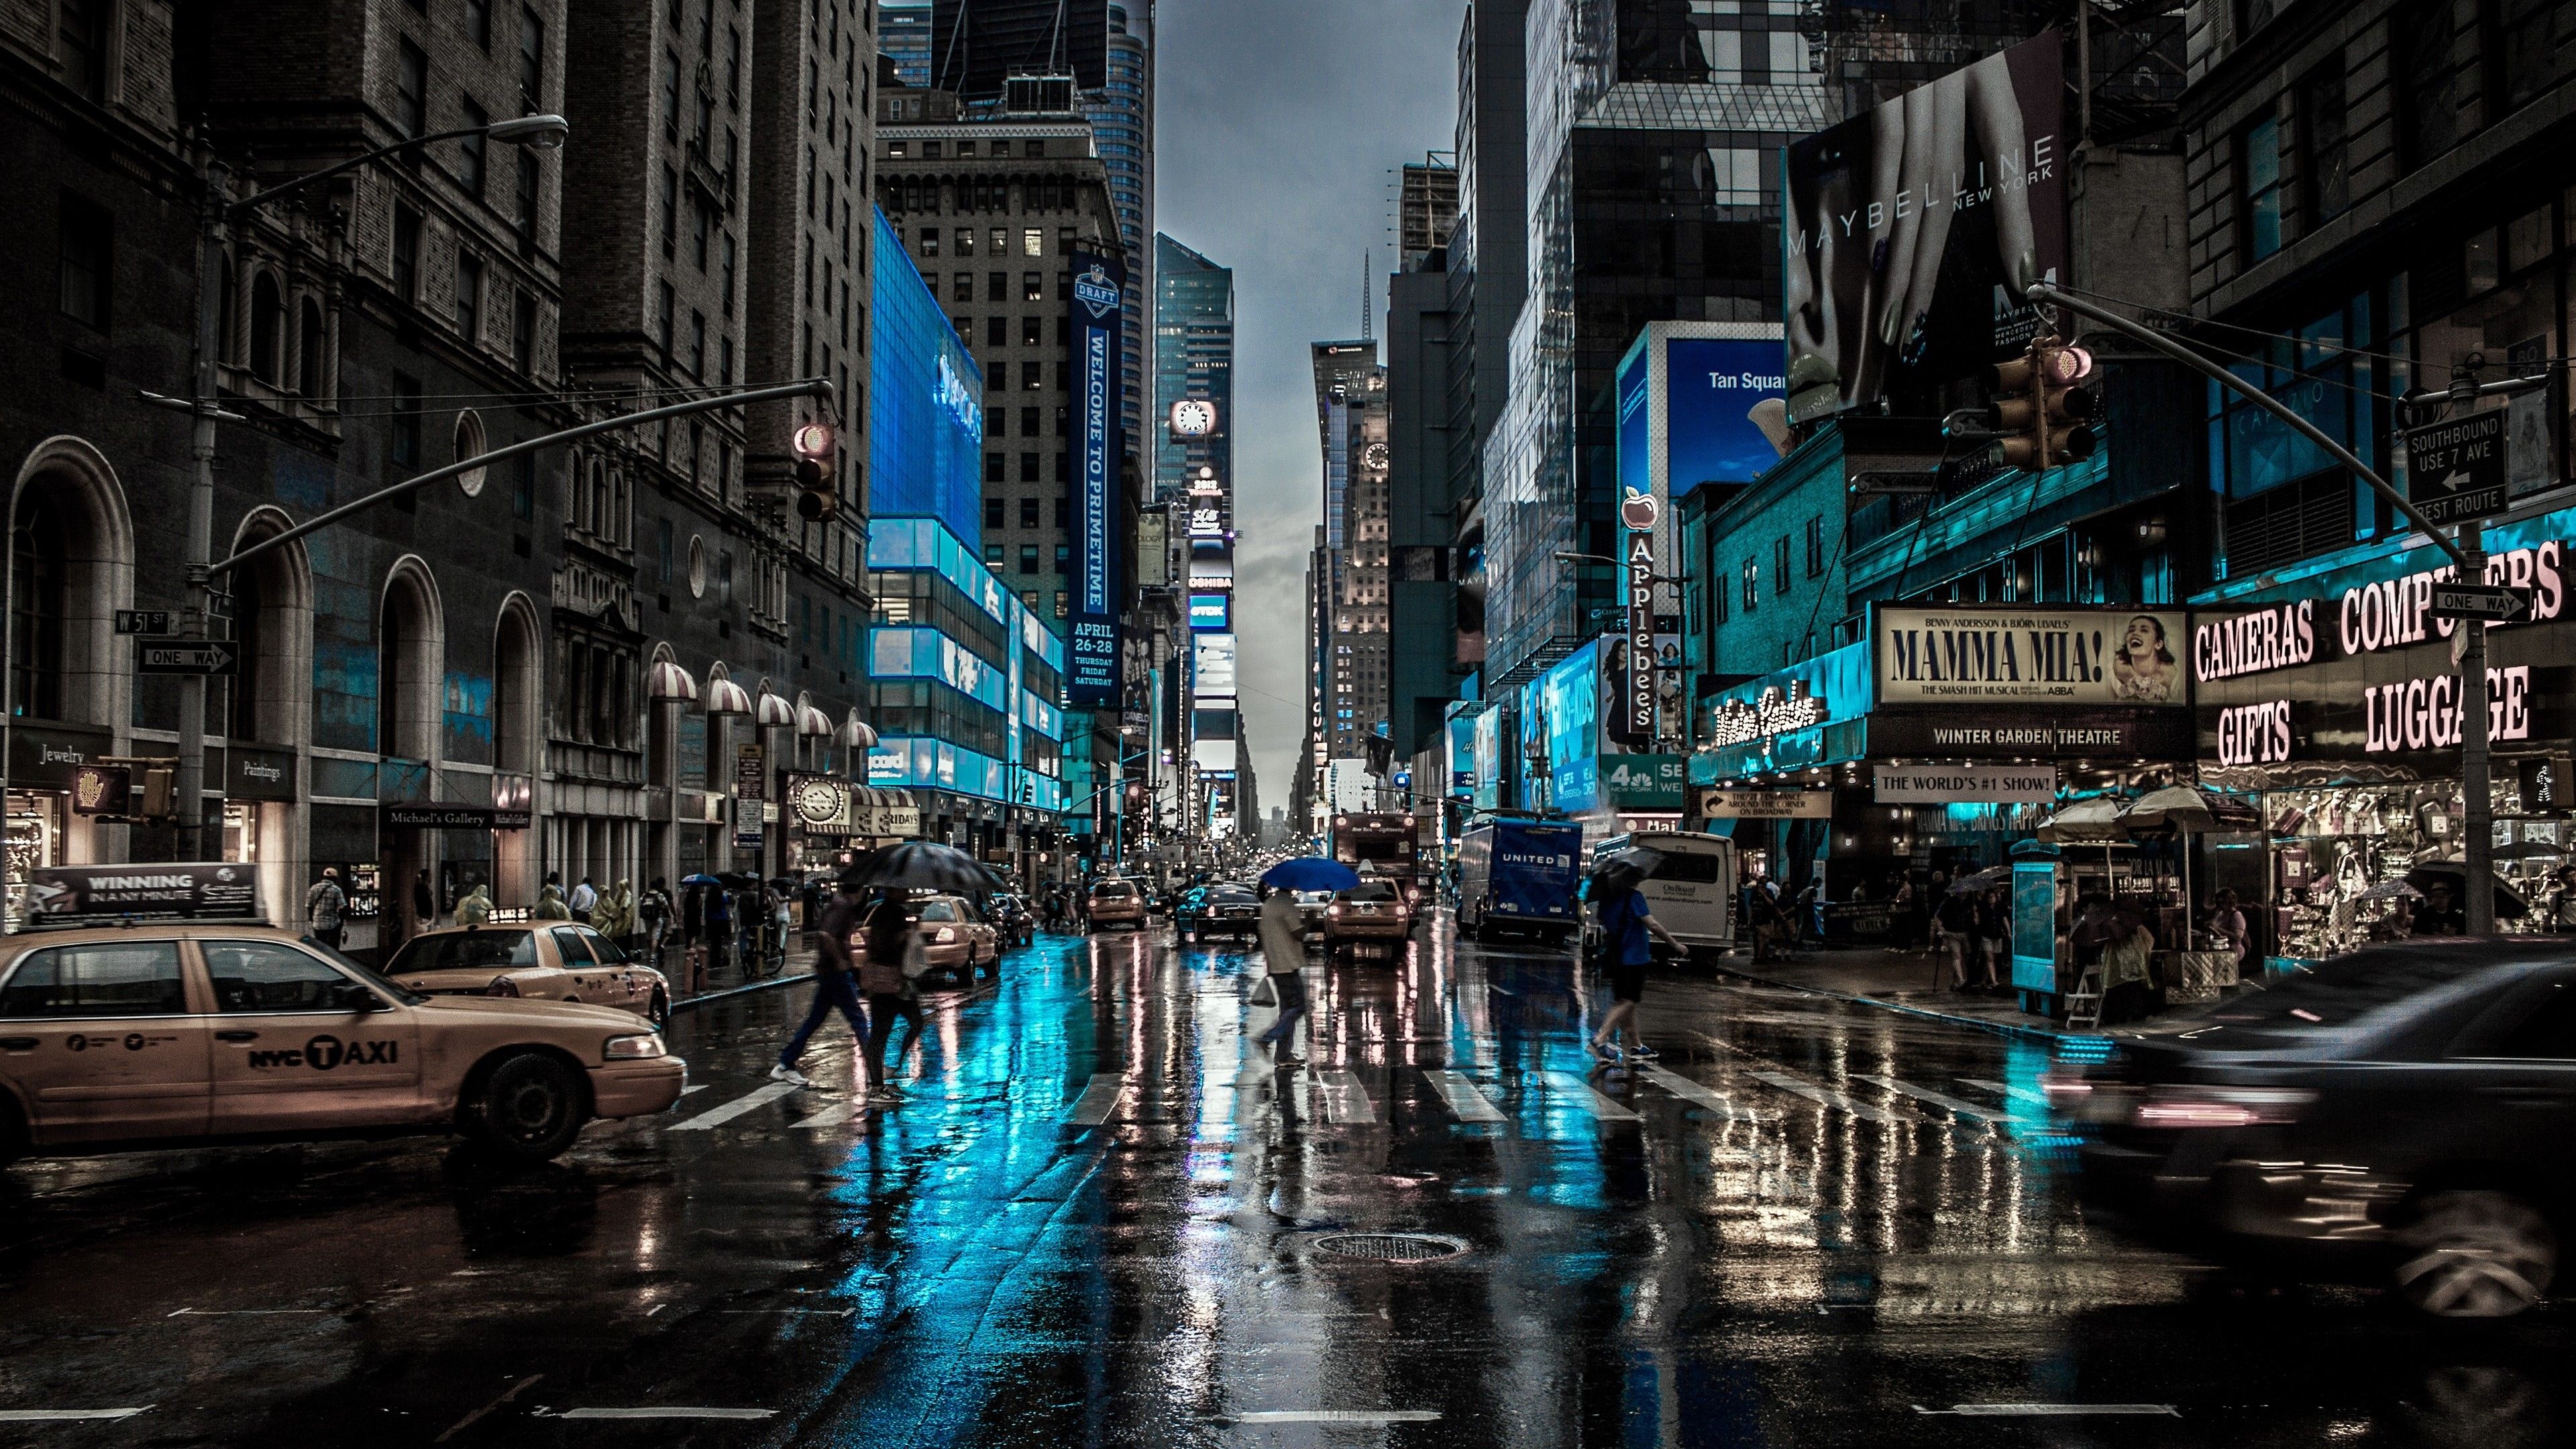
(2468, 553)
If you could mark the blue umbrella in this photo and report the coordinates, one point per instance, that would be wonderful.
(1310, 873)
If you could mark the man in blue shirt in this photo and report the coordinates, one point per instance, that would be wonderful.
(1625, 919)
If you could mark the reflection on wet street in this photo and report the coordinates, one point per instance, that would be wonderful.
(1105, 1216)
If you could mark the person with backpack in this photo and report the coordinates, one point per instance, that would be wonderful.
(323, 905)
(891, 959)
(653, 913)
(835, 986)
(1622, 953)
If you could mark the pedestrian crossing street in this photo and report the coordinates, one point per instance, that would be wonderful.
(1535, 1101)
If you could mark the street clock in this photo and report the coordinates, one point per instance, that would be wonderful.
(1193, 417)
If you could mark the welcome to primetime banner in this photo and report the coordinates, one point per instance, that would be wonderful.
(1092, 667)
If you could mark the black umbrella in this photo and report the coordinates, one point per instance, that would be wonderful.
(2509, 905)
(734, 880)
(1622, 869)
(919, 866)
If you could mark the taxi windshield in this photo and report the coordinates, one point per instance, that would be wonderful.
(368, 974)
(465, 951)
(939, 911)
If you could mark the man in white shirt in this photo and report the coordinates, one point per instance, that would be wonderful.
(584, 896)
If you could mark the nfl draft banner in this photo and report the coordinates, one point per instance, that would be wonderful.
(1092, 666)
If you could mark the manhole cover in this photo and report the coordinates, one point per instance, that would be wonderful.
(1392, 1247)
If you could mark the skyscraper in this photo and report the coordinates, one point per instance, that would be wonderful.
(1350, 567)
(1487, 279)
(903, 39)
(1634, 109)
(1121, 108)
(1422, 665)
(1193, 364)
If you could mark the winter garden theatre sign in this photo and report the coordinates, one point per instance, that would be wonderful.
(2017, 680)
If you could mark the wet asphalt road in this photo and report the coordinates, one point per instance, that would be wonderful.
(1103, 1218)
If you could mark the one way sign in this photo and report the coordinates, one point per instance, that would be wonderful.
(186, 656)
(2455, 469)
(2479, 601)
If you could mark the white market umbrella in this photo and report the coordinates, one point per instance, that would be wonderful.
(2189, 810)
(2088, 822)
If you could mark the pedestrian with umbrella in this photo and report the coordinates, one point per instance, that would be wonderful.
(892, 959)
(836, 985)
(1621, 950)
(1283, 942)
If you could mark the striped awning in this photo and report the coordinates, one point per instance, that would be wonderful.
(726, 697)
(880, 798)
(773, 712)
(856, 734)
(812, 722)
(667, 680)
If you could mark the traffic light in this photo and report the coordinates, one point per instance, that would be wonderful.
(2038, 407)
(816, 497)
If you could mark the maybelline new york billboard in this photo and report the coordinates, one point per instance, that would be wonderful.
(1912, 230)
(1092, 672)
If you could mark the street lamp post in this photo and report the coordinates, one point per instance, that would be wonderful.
(215, 218)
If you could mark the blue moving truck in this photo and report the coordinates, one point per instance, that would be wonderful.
(1519, 875)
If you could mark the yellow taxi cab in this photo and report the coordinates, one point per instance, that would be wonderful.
(546, 960)
(150, 1005)
(957, 938)
(1113, 901)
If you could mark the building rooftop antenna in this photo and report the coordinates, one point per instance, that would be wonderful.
(1368, 279)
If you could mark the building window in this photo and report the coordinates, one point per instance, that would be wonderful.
(312, 365)
(1064, 512)
(85, 255)
(523, 333)
(1028, 558)
(478, 23)
(1033, 376)
(1752, 585)
(406, 254)
(665, 317)
(526, 206)
(2325, 160)
(724, 361)
(993, 556)
(1780, 565)
(724, 577)
(671, 94)
(702, 219)
(84, 49)
(1028, 467)
(662, 552)
(697, 344)
(532, 60)
(993, 514)
(405, 446)
(1063, 558)
(930, 241)
(411, 94)
(993, 468)
(1816, 547)
(469, 297)
(996, 332)
(1028, 513)
(2258, 171)
(997, 286)
(523, 498)
(471, 169)
(670, 213)
(1031, 331)
(2422, 40)
(1059, 603)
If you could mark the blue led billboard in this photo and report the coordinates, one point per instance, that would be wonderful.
(1709, 384)
(925, 402)
(1212, 611)
(1560, 727)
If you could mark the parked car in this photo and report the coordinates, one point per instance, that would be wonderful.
(1115, 901)
(1218, 910)
(209, 1025)
(2401, 1114)
(1369, 921)
(957, 938)
(555, 962)
(1013, 921)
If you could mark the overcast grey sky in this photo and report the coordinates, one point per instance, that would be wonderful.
(1277, 124)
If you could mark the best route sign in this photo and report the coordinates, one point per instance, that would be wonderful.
(2455, 469)
(185, 656)
(2479, 601)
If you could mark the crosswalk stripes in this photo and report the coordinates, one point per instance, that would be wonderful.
(2007, 1091)
(752, 1101)
(1930, 1098)
(1097, 1101)
(1828, 1097)
(1467, 1103)
(1346, 1102)
(1690, 1091)
(1608, 1109)
(831, 1116)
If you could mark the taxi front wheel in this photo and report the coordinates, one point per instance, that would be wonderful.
(530, 1108)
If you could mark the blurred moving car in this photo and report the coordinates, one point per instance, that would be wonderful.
(555, 962)
(1223, 909)
(1115, 901)
(957, 938)
(186, 1019)
(1013, 921)
(1312, 905)
(1370, 921)
(2401, 1114)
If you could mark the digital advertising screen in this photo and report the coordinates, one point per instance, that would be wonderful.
(1099, 286)
(1710, 384)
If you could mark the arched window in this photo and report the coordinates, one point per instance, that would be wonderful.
(602, 521)
(39, 597)
(514, 694)
(267, 322)
(310, 378)
(251, 628)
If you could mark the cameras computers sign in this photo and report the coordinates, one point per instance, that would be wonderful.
(2455, 470)
(1092, 670)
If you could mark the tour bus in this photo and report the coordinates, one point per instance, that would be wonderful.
(1693, 892)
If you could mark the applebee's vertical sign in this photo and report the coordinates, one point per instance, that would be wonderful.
(1092, 672)
(1639, 513)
